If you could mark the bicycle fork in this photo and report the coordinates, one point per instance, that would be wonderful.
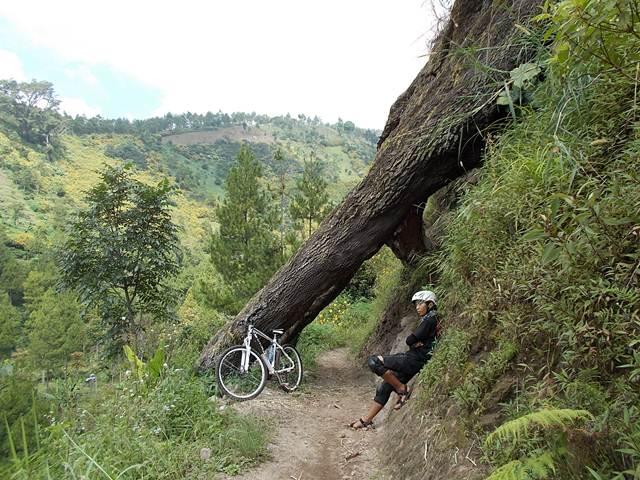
(246, 355)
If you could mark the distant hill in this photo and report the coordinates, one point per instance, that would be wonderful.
(38, 192)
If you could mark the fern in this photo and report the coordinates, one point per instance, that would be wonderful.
(519, 427)
(528, 468)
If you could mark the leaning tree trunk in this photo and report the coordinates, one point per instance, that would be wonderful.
(435, 132)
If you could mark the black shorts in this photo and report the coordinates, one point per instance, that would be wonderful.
(405, 365)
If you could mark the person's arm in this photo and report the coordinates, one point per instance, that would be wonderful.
(425, 330)
(411, 340)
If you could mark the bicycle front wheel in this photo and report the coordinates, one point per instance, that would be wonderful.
(289, 370)
(240, 377)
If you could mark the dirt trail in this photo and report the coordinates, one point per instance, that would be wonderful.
(312, 440)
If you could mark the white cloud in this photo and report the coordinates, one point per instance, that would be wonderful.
(82, 73)
(11, 67)
(333, 58)
(77, 106)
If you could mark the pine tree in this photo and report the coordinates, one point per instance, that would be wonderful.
(311, 203)
(281, 171)
(55, 330)
(9, 326)
(245, 251)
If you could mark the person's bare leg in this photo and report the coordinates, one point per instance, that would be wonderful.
(374, 409)
(392, 380)
(401, 389)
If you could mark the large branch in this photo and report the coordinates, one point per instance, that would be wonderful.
(433, 135)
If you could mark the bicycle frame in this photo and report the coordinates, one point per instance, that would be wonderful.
(252, 333)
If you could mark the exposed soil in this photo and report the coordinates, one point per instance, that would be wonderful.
(312, 440)
(235, 134)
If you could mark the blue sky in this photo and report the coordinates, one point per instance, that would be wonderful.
(111, 93)
(140, 58)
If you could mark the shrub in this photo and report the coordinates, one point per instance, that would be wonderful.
(127, 151)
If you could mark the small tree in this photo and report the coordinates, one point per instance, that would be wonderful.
(38, 281)
(9, 326)
(55, 330)
(311, 203)
(121, 250)
(245, 251)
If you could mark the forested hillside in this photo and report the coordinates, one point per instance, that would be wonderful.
(125, 246)
(142, 235)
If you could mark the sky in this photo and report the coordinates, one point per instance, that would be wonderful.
(346, 59)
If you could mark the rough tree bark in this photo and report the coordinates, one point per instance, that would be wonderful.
(435, 133)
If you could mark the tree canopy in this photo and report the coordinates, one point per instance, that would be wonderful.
(30, 109)
(245, 250)
(311, 203)
(121, 250)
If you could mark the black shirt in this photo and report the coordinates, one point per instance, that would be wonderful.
(426, 333)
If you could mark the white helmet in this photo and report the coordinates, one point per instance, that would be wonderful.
(424, 296)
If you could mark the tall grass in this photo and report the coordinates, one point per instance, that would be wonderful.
(543, 252)
(122, 431)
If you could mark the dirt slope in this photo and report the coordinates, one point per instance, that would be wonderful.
(312, 441)
(233, 134)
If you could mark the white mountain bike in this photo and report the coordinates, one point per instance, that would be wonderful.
(242, 370)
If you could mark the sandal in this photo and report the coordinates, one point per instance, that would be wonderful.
(362, 424)
(403, 397)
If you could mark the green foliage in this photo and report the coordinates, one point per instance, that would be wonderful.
(629, 428)
(315, 339)
(36, 284)
(198, 318)
(13, 272)
(389, 272)
(22, 415)
(446, 366)
(9, 326)
(147, 373)
(121, 250)
(245, 251)
(587, 30)
(543, 456)
(310, 203)
(582, 390)
(341, 324)
(129, 152)
(515, 430)
(521, 83)
(29, 109)
(479, 380)
(55, 330)
(114, 431)
(543, 251)
(539, 467)
(361, 285)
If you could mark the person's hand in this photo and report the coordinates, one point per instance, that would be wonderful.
(418, 344)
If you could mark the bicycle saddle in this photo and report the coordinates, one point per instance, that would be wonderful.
(278, 332)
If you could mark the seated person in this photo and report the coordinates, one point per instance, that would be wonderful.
(396, 370)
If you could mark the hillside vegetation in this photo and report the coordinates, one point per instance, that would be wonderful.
(539, 272)
(108, 237)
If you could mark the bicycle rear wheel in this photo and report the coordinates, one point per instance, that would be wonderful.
(236, 381)
(289, 370)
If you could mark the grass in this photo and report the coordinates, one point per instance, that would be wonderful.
(539, 263)
(121, 431)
